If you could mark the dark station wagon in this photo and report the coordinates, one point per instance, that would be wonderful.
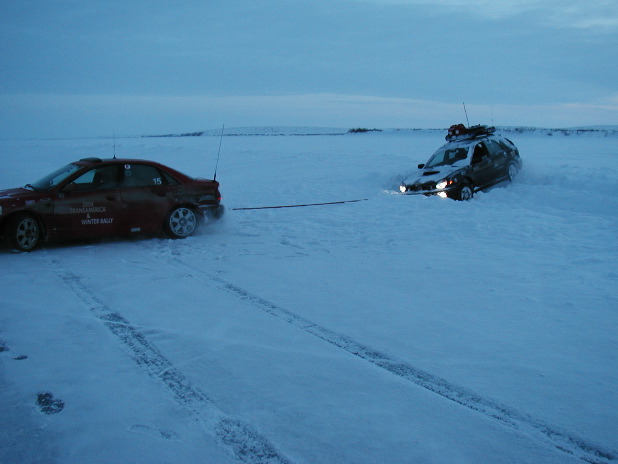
(94, 198)
(474, 158)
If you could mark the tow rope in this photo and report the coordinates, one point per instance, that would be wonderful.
(299, 206)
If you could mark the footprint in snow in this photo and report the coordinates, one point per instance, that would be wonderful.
(48, 404)
(157, 433)
(5, 348)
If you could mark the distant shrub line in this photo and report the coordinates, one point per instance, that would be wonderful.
(606, 131)
(360, 130)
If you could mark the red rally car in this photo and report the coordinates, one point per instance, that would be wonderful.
(94, 197)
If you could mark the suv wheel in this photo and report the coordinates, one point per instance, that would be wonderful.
(512, 172)
(465, 192)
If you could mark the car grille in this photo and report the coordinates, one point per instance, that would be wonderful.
(422, 186)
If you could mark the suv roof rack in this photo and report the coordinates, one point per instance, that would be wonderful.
(461, 132)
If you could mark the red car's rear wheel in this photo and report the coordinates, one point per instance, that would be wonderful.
(181, 222)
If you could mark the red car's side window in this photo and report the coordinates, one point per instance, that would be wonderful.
(142, 175)
(102, 178)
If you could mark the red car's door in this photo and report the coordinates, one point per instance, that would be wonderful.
(90, 205)
(147, 197)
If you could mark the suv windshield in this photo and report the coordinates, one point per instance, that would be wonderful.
(447, 155)
(53, 179)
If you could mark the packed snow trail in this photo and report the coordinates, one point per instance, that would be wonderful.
(242, 441)
(552, 435)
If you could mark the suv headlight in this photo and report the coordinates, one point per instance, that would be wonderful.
(442, 184)
(403, 188)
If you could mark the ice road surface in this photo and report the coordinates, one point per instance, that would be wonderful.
(396, 329)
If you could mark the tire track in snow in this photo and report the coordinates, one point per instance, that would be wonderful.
(239, 438)
(554, 436)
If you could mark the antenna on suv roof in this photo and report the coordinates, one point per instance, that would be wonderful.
(465, 111)
(114, 137)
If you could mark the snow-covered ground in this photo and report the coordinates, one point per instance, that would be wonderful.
(394, 329)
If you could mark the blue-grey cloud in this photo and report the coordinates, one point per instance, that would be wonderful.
(558, 13)
(483, 52)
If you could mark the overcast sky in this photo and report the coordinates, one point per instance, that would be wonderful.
(74, 68)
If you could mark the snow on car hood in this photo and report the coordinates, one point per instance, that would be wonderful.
(435, 173)
(14, 193)
(14, 197)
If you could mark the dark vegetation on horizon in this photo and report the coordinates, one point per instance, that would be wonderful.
(607, 131)
(360, 130)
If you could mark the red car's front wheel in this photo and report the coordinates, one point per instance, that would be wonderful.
(23, 232)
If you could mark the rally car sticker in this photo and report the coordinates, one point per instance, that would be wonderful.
(95, 221)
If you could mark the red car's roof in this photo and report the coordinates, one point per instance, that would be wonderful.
(93, 161)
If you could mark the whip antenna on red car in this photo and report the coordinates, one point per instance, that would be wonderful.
(219, 152)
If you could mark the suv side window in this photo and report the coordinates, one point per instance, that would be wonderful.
(506, 144)
(493, 148)
(480, 153)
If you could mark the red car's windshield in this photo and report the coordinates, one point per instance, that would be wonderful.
(51, 180)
